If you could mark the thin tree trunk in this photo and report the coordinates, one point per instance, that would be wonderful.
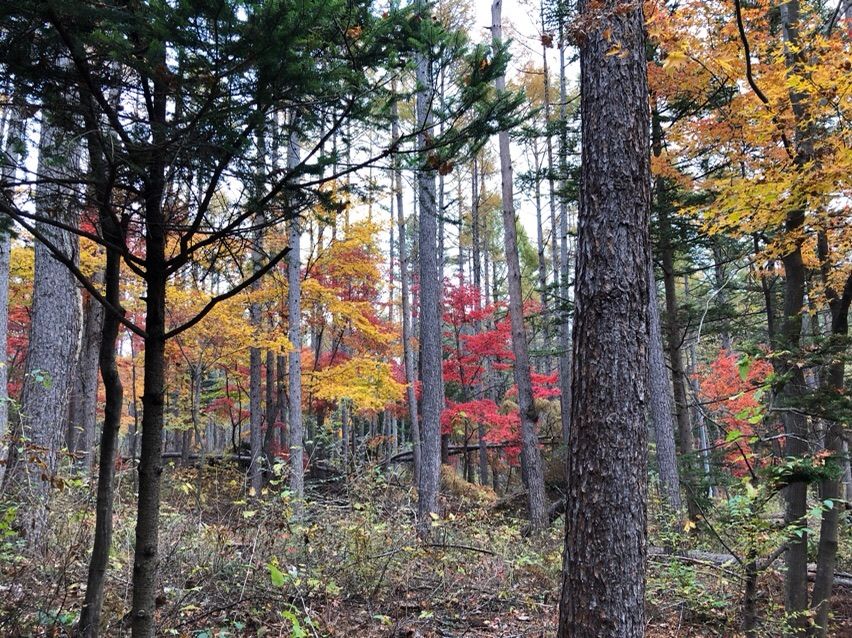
(440, 213)
(5, 255)
(674, 336)
(660, 405)
(551, 166)
(255, 470)
(281, 400)
(84, 389)
(345, 437)
(789, 337)
(564, 319)
(146, 558)
(603, 581)
(531, 468)
(271, 409)
(408, 350)
(430, 319)
(294, 313)
(12, 151)
(722, 296)
(833, 382)
(542, 262)
(90, 613)
(477, 284)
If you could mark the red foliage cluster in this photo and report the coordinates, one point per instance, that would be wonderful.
(732, 393)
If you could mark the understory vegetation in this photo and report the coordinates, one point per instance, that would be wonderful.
(237, 567)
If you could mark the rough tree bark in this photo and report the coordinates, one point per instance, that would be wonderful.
(54, 337)
(603, 582)
(531, 468)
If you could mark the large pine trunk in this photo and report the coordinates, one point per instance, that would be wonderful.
(603, 582)
(531, 469)
(53, 340)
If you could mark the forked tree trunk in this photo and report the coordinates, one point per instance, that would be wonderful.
(531, 469)
(603, 580)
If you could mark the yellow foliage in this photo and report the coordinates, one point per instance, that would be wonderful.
(367, 383)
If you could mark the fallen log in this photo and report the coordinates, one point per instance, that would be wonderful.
(841, 579)
(407, 455)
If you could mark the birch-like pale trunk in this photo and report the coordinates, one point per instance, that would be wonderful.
(531, 467)
(294, 334)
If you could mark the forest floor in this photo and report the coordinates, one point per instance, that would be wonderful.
(232, 565)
